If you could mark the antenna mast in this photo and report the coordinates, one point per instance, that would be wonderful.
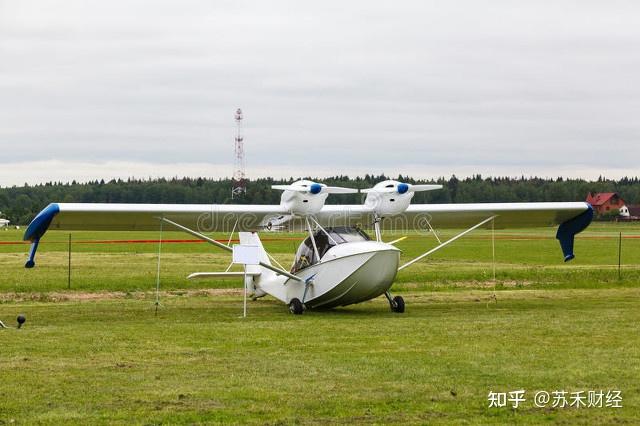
(238, 181)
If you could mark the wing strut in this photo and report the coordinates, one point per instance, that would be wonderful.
(438, 247)
(227, 248)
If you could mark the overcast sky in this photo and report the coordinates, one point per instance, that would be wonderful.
(101, 89)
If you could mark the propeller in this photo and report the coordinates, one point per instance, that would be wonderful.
(314, 188)
(399, 187)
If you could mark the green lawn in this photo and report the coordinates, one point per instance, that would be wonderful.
(99, 354)
(524, 258)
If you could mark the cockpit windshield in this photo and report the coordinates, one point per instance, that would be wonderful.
(305, 256)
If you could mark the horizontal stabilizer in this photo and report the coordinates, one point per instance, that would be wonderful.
(202, 275)
(568, 230)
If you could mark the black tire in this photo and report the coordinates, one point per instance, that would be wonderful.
(399, 304)
(296, 307)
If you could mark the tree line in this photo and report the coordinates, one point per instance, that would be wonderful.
(21, 204)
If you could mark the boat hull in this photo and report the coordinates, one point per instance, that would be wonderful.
(348, 274)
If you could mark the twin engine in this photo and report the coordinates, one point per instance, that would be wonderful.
(388, 198)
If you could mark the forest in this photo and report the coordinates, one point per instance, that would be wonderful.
(21, 204)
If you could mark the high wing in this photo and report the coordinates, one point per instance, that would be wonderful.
(572, 217)
(415, 217)
(223, 217)
(131, 217)
(145, 217)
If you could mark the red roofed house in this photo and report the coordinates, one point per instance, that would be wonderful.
(603, 202)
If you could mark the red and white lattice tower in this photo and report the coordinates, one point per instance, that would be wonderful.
(238, 181)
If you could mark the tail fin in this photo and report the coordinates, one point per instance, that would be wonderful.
(252, 239)
(253, 282)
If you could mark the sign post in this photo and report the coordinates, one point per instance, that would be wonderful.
(246, 255)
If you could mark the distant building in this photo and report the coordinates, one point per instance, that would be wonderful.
(603, 202)
(634, 211)
(624, 211)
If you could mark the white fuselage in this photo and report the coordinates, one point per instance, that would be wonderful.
(347, 273)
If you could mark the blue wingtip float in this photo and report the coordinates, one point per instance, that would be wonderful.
(568, 230)
(36, 230)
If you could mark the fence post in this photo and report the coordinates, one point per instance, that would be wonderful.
(69, 267)
(620, 256)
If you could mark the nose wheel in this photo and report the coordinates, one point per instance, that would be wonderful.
(396, 303)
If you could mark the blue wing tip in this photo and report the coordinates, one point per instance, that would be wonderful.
(41, 222)
(37, 228)
(568, 230)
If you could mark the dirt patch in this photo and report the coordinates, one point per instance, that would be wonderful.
(112, 295)
(470, 284)
(491, 284)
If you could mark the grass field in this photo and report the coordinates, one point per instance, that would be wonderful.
(98, 353)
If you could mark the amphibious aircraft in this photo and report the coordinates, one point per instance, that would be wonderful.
(338, 263)
(3, 222)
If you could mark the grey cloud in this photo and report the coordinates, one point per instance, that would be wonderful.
(531, 86)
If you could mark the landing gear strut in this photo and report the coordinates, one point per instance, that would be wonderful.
(296, 307)
(396, 303)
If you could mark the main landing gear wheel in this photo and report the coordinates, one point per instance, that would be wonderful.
(296, 307)
(398, 305)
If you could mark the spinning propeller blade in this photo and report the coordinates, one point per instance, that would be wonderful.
(315, 188)
(400, 188)
(420, 188)
(290, 188)
(339, 190)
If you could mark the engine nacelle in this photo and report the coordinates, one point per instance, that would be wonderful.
(390, 197)
(304, 203)
(385, 199)
(306, 198)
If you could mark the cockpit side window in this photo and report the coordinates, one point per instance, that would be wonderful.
(306, 256)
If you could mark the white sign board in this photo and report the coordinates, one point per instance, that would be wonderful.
(246, 255)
